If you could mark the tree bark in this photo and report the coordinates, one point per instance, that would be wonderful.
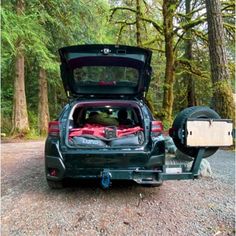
(138, 26)
(169, 7)
(20, 122)
(222, 100)
(43, 111)
(191, 98)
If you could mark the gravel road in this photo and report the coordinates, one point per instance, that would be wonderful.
(28, 207)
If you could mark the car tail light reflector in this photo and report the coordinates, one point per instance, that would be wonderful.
(53, 172)
(157, 126)
(53, 128)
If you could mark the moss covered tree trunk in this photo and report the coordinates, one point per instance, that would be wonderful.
(191, 98)
(20, 122)
(138, 26)
(43, 116)
(169, 7)
(222, 100)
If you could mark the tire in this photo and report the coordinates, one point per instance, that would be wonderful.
(180, 121)
(55, 184)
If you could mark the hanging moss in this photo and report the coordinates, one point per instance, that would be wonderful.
(223, 101)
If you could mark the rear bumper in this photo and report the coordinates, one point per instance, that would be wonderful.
(140, 176)
(128, 173)
(153, 172)
(87, 164)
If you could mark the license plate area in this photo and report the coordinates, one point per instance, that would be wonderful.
(209, 133)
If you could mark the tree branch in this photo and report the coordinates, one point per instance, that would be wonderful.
(119, 34)
(146, 5)
(156, 49)
(113, 10)
(190, 24)
(186, 63)
(155, 25)
(150, 41)
(230, 7)
(179, 39)
(200, 34)
(230, 30)
(125, 22)
(190, 14)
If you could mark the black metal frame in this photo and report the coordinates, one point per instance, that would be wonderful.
(152, 176)
(192, 174)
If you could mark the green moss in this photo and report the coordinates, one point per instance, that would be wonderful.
(223, 101)
(34, 135)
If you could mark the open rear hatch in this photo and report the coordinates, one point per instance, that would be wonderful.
(105, 70)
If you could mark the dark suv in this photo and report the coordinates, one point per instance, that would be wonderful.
(106, 131)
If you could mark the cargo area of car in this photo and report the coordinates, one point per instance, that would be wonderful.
(106, 125)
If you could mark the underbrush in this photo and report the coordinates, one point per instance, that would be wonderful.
(32, 134)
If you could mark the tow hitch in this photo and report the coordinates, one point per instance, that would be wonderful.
(105, 179)
(153, 177)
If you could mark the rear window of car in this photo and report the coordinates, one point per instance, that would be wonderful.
(106, 75)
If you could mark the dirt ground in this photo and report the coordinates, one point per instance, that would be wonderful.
(28, 207)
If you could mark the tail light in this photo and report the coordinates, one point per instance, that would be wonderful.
(53, 128)
(157, 127)
(53, 172)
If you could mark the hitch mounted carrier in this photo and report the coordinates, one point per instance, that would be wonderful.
(153, 177)
(192, 174)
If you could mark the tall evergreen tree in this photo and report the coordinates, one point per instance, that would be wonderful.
(138, 26)
(191, 98)
(43, 110)
(20, 123)
(169, 8)
(223, 101)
